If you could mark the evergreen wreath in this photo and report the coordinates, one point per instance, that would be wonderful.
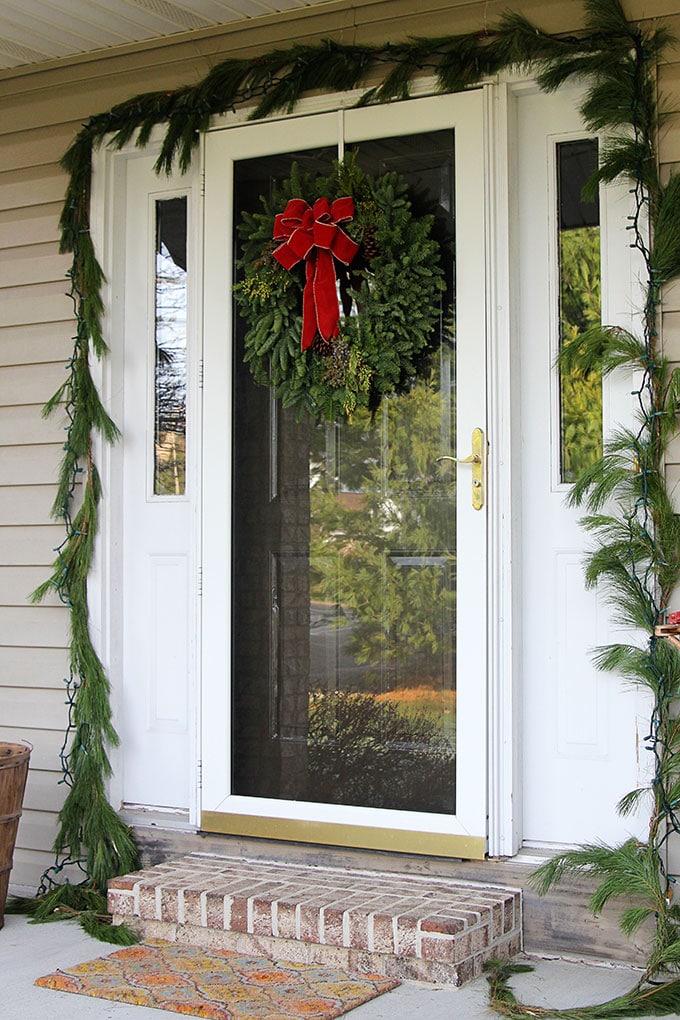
(389, 293)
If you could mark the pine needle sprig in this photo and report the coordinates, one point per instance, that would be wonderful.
(80, 903)
(221, 89)
(665, 254)
(283, 75)
(642, 1001)
(630, 869)
(601, 348)
(519, 44)
(622, 158)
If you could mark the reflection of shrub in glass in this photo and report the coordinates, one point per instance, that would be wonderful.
(366, 752)
(386, 552)
(580, 395)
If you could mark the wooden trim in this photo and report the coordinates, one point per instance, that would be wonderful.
(430, 844)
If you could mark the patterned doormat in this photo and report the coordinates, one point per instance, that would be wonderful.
(217, 984)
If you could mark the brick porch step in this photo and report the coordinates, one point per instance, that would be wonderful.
(417, 927)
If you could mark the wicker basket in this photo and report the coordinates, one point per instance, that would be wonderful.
(13, 771)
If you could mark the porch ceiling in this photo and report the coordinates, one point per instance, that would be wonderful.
(33, 31)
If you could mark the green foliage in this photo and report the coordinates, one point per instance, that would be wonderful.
(81, 903)
(643, 1001)
(665, 256)
(404, 505)
(369, 752)
(631, 869)
(397, 291)
(580, 330)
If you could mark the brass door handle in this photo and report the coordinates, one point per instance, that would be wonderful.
(477, 460)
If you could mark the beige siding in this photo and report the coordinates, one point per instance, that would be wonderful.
(40, 110)
(25, 666)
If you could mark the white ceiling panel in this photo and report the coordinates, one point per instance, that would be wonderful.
(32, 31)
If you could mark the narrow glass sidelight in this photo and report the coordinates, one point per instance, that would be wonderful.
(578, 224)
(170, 348)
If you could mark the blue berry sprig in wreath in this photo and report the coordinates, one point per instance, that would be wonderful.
(341, 290)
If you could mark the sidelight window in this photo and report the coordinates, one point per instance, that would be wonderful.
(579, 304)
(170, 348)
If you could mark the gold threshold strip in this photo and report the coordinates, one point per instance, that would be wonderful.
(432, 844)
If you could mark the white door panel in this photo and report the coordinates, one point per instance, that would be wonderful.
(158, 573)
(580, 726)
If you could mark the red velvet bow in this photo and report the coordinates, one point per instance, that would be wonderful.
(315, 235)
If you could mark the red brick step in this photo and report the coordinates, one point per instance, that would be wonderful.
(422, 928)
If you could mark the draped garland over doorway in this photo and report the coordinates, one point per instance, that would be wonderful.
(636, 545)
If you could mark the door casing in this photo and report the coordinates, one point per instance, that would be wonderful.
(507, 627)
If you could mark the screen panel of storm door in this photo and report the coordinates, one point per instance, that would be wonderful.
(344, 557)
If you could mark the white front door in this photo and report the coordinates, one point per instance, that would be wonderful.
(344, 666)
(151, 486)
(581, 728)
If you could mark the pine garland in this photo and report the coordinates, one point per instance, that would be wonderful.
(90, 835)
(395, 281)
(637, 556)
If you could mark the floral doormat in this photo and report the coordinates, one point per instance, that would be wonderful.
(217, 984)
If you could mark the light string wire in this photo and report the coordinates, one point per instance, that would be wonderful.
(59, 581)
(649, 461)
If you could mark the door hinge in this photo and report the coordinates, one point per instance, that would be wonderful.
(202, 183)
(201, 374)
(199, 775)
(199, 581)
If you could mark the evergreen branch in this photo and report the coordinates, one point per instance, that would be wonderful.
(623, 158)
(221, 89)
(464, 60)
(81, 903)
(631, 870)
(598, 481)
(579, 64)
(180, 135)
(630, 802)
(101, 928)
(601, 348)
(283, 75)
(656, 1000)
(520, 44)
(609, 100)
(665, 256)
(607, 18)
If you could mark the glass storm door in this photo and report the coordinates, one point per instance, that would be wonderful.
(344, 564)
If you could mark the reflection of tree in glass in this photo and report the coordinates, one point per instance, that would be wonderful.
(580, 396)
(170, 376)
(366, 752)
(383, 536)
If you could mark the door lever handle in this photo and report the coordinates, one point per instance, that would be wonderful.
(477, 460)
(474, 458)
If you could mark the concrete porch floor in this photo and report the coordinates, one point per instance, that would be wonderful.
(29, 951)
